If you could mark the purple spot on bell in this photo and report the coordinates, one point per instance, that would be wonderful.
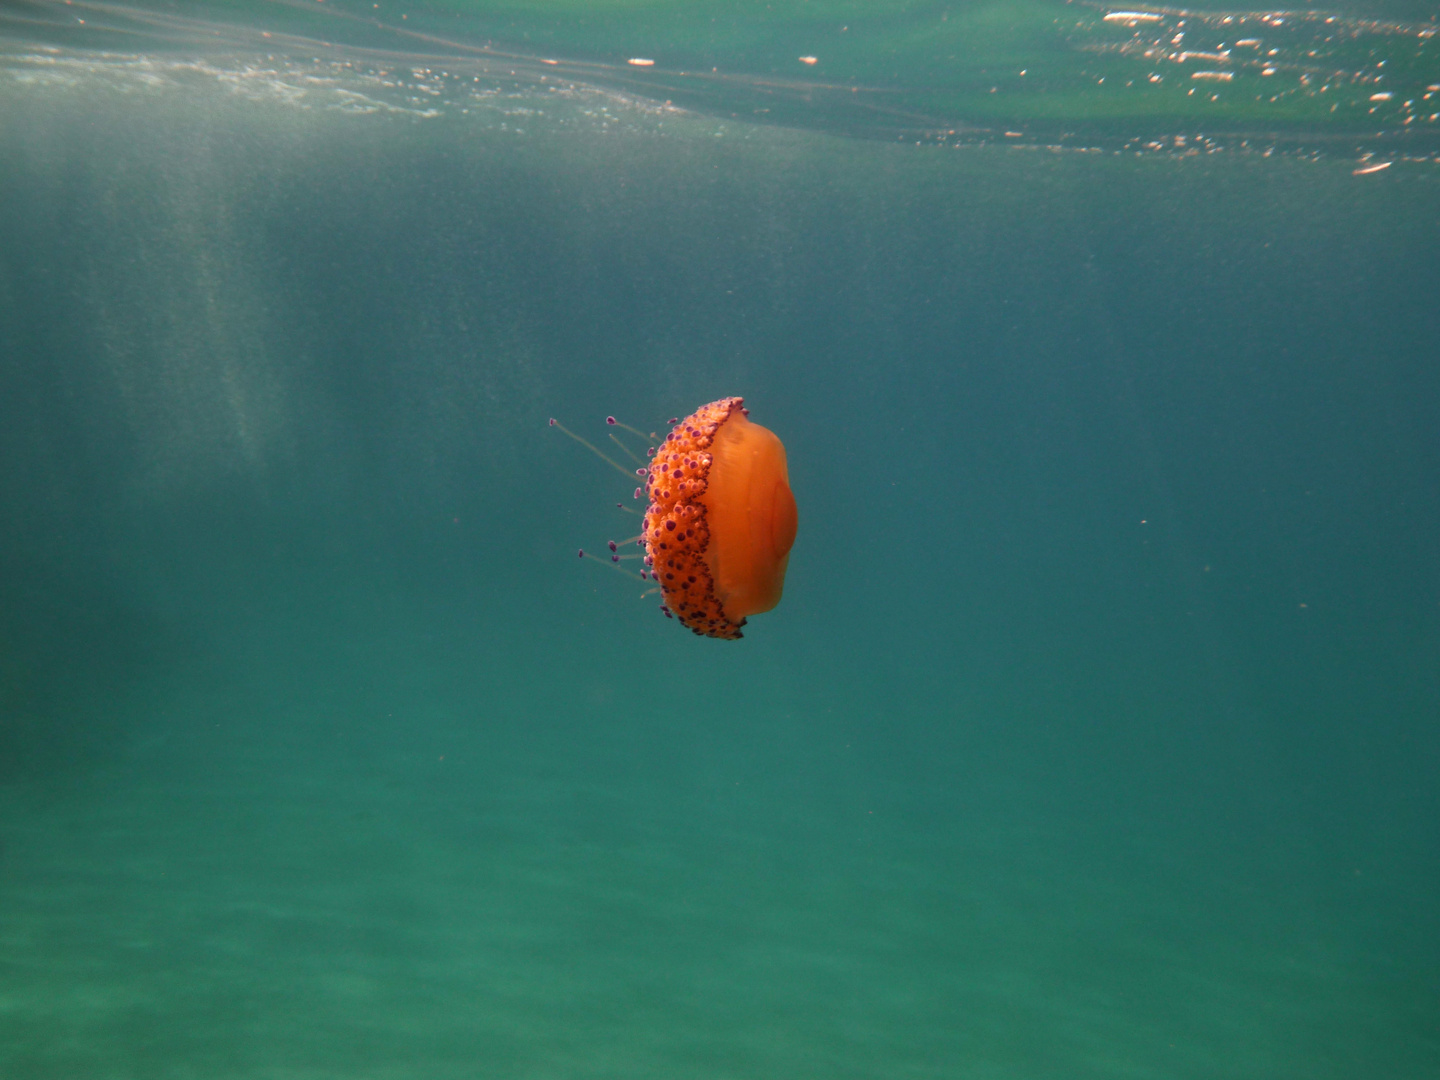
(637, 493)
(641, 472)
(611, 421)
(650, 452)
(673, 420)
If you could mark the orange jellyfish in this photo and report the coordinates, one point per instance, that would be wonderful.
(721, 520)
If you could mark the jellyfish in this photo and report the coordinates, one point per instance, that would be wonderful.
(721, 518)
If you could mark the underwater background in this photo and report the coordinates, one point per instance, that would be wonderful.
(1096, 735)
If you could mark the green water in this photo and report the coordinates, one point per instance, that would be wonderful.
(1096, 732)
(1049, 72)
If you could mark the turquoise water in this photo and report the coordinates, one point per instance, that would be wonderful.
(1070, 73)
(1095, 735)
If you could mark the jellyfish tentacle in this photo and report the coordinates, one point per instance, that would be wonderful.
(612, 565)
(592, 448)
(626, 450)
(633, 431)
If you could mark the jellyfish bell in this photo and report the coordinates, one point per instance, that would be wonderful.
(721, 517)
